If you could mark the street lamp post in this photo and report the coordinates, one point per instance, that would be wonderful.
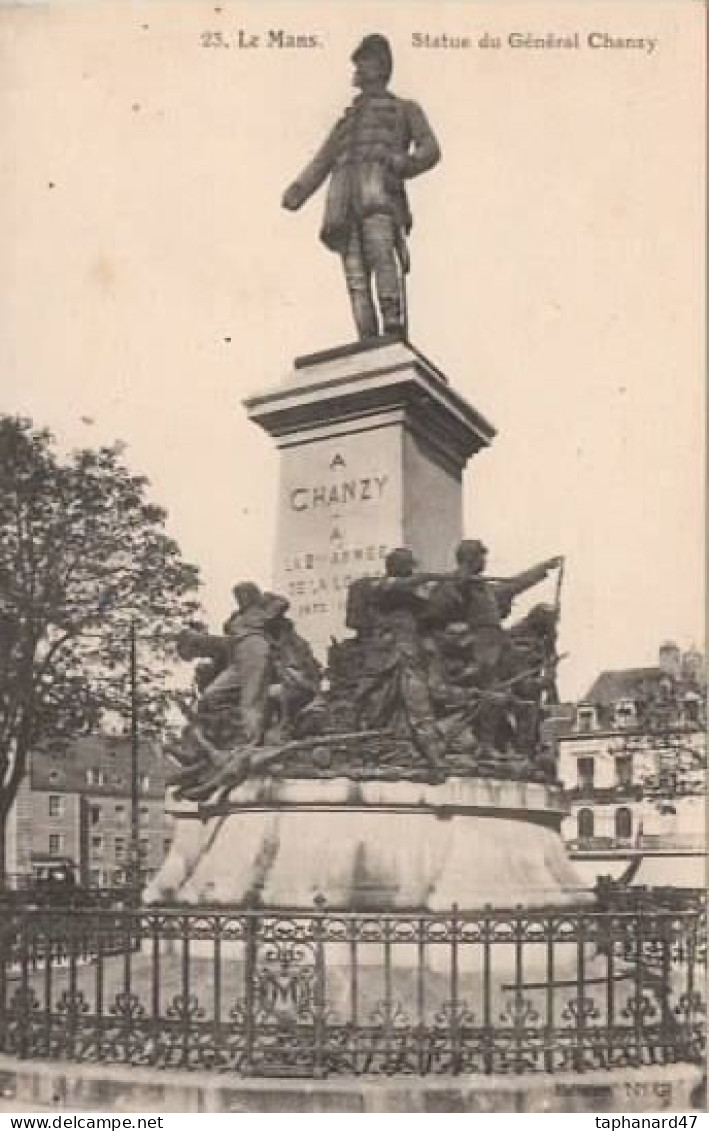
(134, 866)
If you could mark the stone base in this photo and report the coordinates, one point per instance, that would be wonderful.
(368, 435)
(31, 1087)
(374, 845)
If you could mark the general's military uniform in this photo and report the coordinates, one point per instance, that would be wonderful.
(380, 142)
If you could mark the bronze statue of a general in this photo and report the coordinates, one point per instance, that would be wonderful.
(380, 142)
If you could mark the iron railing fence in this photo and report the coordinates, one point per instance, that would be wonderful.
(324, 992)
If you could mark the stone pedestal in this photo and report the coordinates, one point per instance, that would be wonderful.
(373, 444)
(373, 844)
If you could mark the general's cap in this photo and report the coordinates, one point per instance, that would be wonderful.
(375, 45)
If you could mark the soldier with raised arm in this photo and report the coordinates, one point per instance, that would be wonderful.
(380, 142)
(480, 602)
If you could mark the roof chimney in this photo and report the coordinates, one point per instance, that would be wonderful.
(670, 659)
(693, 667)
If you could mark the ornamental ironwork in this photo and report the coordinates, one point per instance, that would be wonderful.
(327, 992)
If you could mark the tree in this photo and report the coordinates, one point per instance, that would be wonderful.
(83, 554)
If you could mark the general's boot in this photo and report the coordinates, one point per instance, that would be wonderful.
(364, 315)
(391, 316)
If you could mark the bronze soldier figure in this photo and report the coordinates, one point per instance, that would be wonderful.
(482, 604)
(380, 142)
(394, 692)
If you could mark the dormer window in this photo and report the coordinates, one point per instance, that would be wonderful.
(586, 719)
(624, 713)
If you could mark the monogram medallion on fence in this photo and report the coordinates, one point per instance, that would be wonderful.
(287, 1008)
(284, 984)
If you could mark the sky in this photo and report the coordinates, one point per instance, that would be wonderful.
(149, 279)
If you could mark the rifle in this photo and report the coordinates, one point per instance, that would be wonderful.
(492, 695)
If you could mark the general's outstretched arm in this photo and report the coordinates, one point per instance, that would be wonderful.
(312, 176)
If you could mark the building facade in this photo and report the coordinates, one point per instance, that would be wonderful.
(74, 807)
(632, 759)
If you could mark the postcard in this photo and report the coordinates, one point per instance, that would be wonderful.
(352, 439)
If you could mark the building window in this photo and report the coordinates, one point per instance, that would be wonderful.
(166, 845)
(120, 813)
(144, 846)
(585, 719)
(623, 824)
(624, 770)
(94, 877)
(144, 813)
(585, 824)
(145, 782)
(55, 844)
(97, 843)
(55, 776)
(585, 772)
(56, 807)
(119, 847)
(94, 814)
(94, 777)
(624, 713)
